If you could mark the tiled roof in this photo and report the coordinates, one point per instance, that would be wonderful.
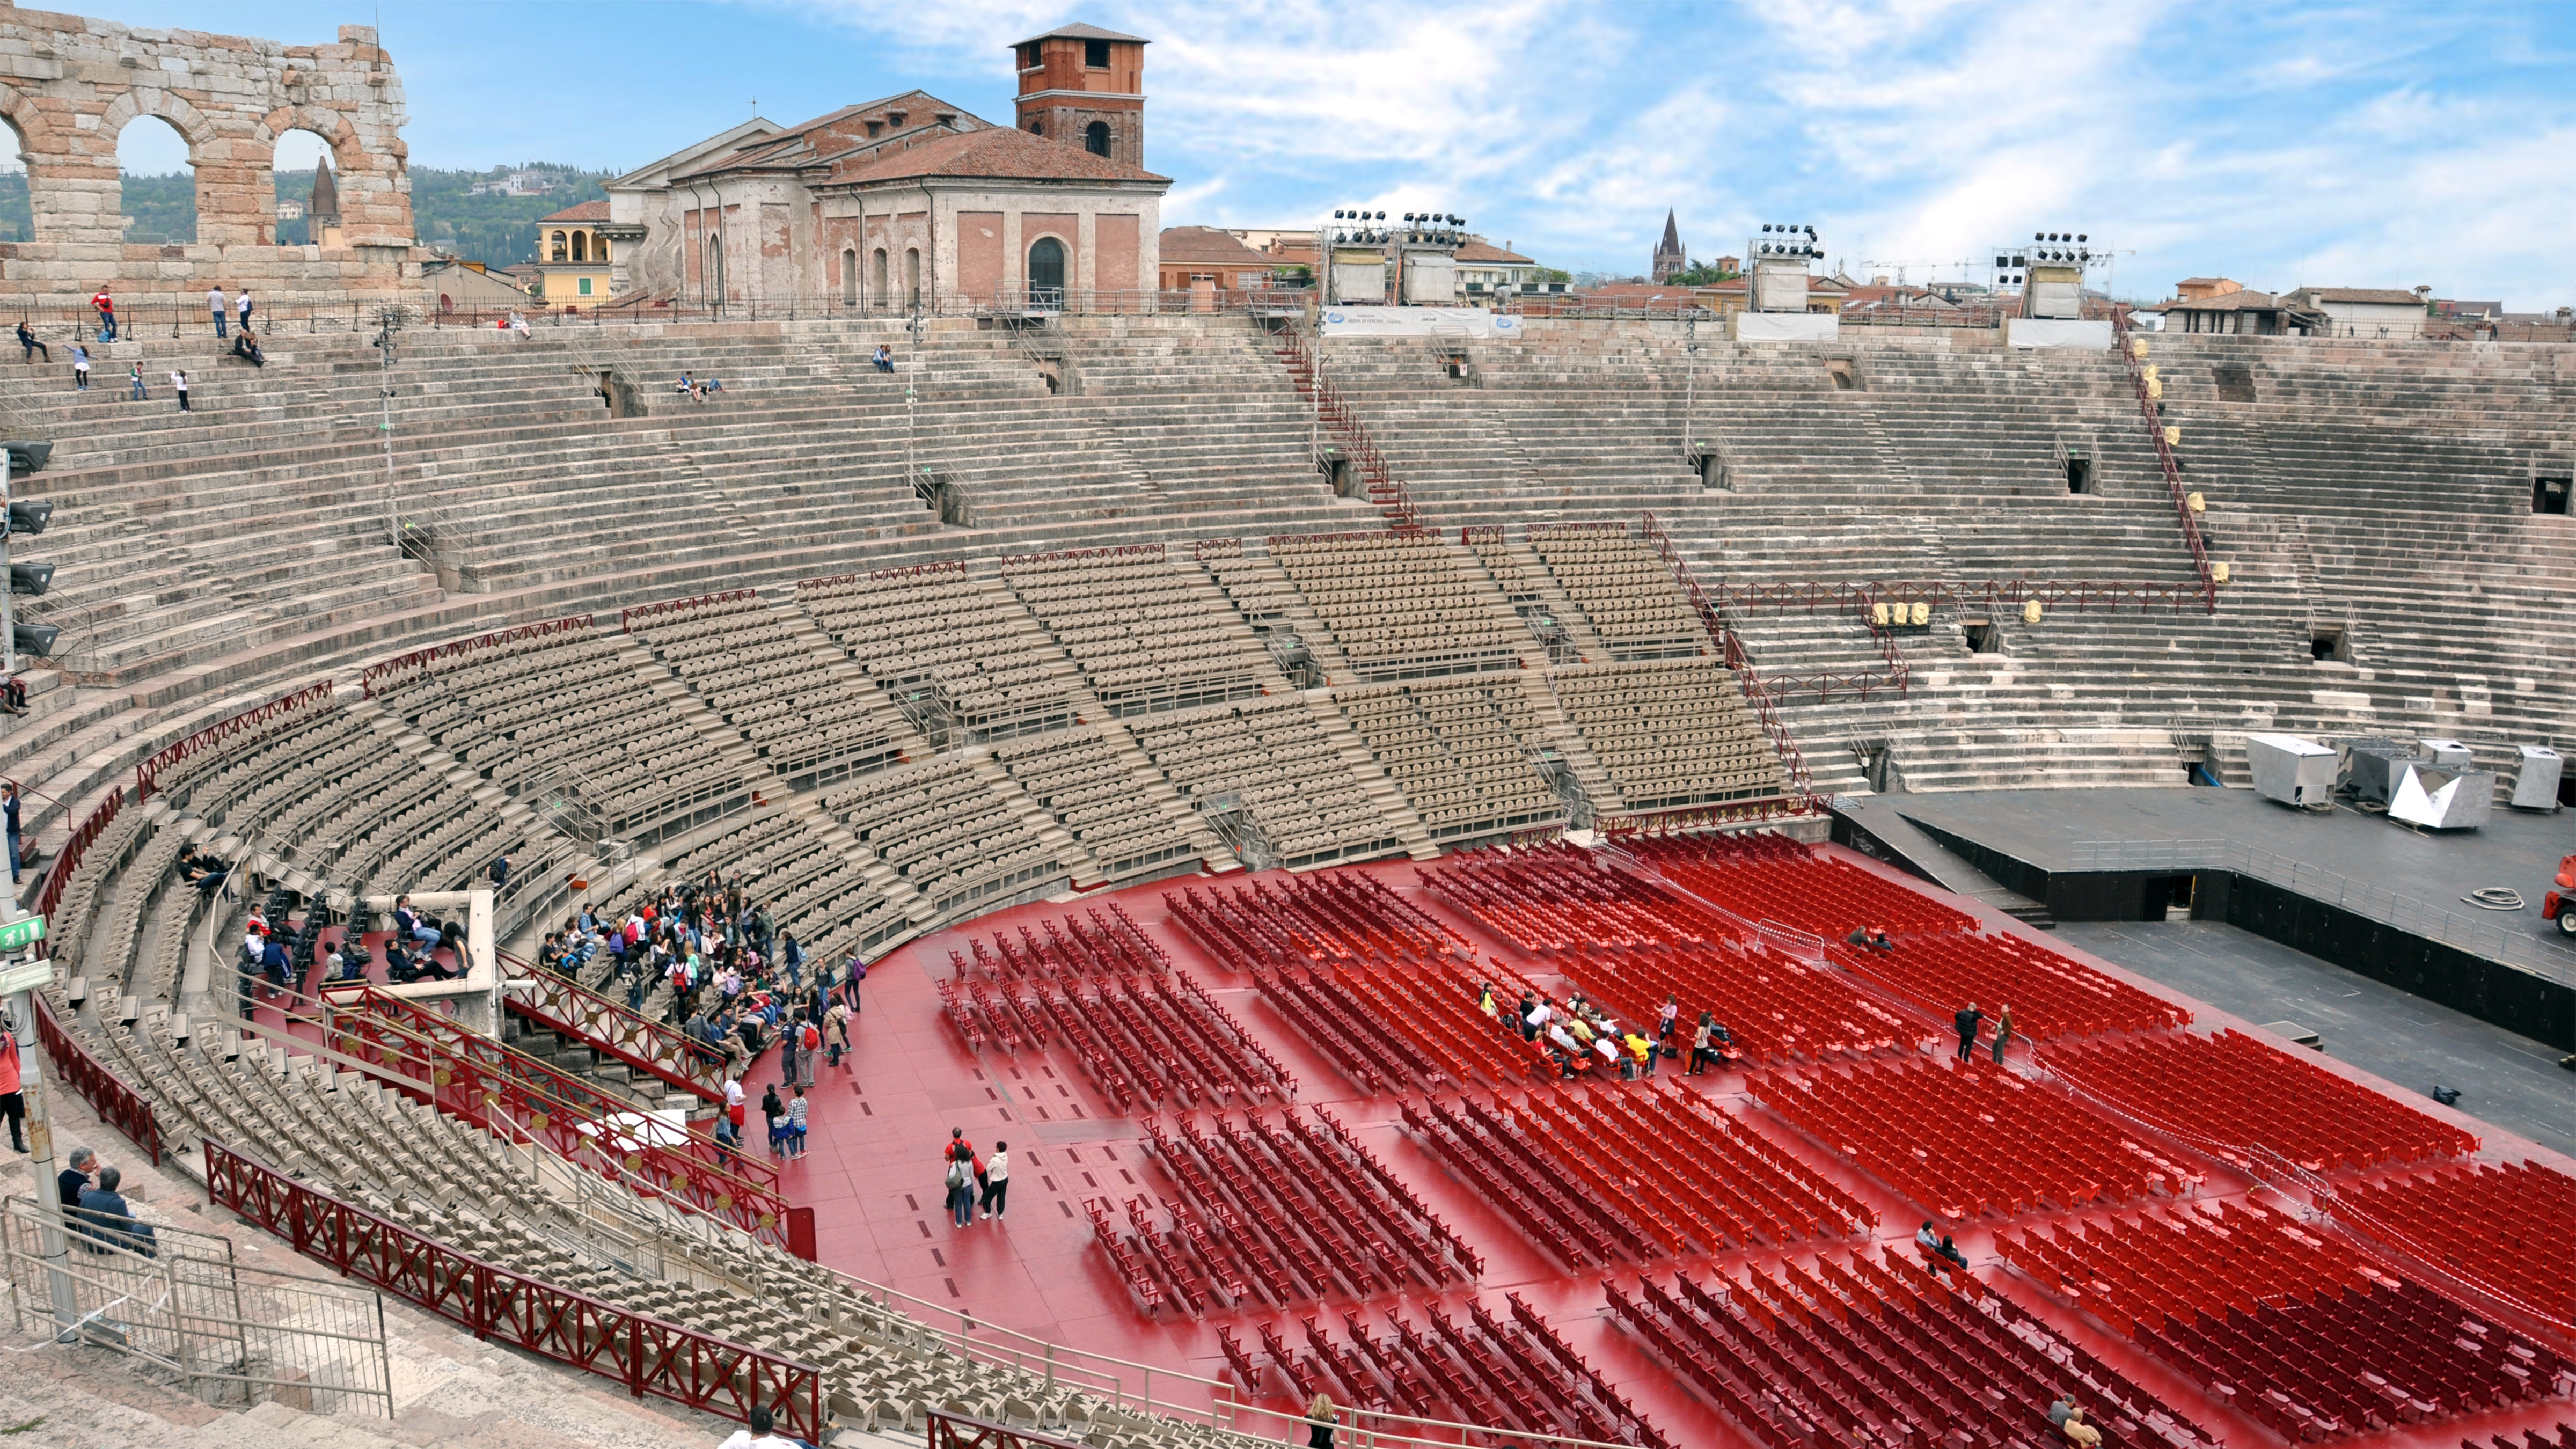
(586, 211)
(998, 153)
(1207, 246)
(2373, 296)
(1083, 32)
(1476, 251)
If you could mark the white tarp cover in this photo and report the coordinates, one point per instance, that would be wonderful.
(2056, 332)
(1418, 322)
(1787, 326)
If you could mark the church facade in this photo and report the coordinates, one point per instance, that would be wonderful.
(911, 200)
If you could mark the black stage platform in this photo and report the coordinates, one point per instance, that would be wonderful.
(2352, 889)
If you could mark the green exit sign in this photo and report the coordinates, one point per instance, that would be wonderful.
(22, 933)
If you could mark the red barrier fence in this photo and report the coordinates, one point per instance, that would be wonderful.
(558, 1003)
(645, 1354)
(469, 1075)
(58, 875)
(440, 651)
(2080, 594)
(150, 770)
(626, 621)
(956, 1431)
(118, 1105)
(906, 571)
(1123, 550)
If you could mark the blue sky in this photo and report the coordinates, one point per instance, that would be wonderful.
(2350, 144)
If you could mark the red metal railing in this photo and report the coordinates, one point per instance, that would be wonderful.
(1394, 502)
(58, 876)
(150, 770)
(118, 1105)
(956, 1431)
(645, 1354)
(2165, 458)
(1994, 593)
(626, 621)
(1731, 650)
(1123, 550)
(906, 571)
(466, 1074)
(437, 652)
(558, 1003)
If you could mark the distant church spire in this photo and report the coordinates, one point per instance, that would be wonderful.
(1668, 253)
(324, 207)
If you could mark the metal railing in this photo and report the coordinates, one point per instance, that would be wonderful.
(147, 775)
(189, 1315)
(2164, 457)
(558, 1003)
(2082, 595)
(58, 875)
(1305, 364)
(433, 653)
(645, 1354)
(118, 1105)
(1731, 649)
(2525, 950)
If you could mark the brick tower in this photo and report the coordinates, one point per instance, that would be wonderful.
(1085, 86)
(1669, 257)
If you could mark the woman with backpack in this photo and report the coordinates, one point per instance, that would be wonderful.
(961, 1190)
(776, 1112)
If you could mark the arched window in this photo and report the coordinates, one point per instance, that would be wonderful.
(715, 266)
(560, 249)
(912, 276)
(1046, 268)
(1095, 138)
(581, 246)
(849, 277)
(1037, 127)
(877, 279)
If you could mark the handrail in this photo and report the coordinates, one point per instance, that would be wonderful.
(2164, 456)
(117, 1104)
(644, 1353)
(473, 1076)
(1731, 650)
(1062, 555)
(1848, 597)
(58, 875)
(905, 571)
(560, 1003)
(1306, 369)
(626, 620)
(433, 653)
(149, 772)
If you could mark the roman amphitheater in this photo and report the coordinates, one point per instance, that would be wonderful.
(1213, 735)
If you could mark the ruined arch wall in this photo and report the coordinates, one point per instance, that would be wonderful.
(70, 85)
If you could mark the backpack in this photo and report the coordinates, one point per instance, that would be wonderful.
(957, 1175)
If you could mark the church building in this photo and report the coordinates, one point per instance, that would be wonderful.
(911, 199)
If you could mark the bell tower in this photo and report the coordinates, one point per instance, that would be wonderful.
(1084, 86)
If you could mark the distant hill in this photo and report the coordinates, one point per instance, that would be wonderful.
(491, 228)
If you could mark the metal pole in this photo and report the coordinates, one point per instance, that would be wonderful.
(8, 595)
(385, 370)
(51, 1244)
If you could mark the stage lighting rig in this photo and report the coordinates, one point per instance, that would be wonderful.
(1784, 239)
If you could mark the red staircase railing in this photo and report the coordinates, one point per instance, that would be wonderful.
(467, 1074)
(118, 1105)
(2165, 458)
(147, 775)
(645, 1354)
(1297, 352)
(431, 653)
(1731, 649)
(58, 875)
(558, 1003)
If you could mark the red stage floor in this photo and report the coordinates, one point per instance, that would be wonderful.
(873, 1172)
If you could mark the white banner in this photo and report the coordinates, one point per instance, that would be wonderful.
(2057, 332)
(1418, 322)
(1786, 326)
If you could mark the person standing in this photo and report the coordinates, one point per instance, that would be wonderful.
(836, 1030)
(798, 1116)
(13, 1096)
(809, 1045)
(242, 305)
(106, 306)
(179, 384)
(776, 1112)
(1699, 1045)
(215, 304)
(961, 1193)
(997, 1180)
(134, 377)
(1967, 1022)
(80, 368)
(2003, 1031)
(1320, 1420)
(9, 811)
